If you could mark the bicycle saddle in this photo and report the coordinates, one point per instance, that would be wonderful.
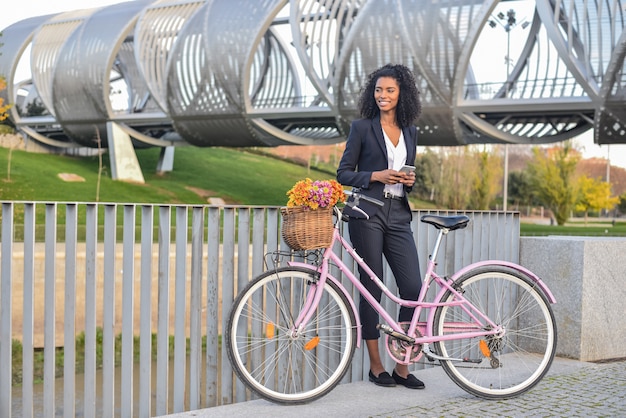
(448, 222)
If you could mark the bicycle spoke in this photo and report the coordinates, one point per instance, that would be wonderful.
(278, 362)
(518, 357)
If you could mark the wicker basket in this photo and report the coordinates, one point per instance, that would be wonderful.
(306, 229)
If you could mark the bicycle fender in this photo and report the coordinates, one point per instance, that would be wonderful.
(513, 266)
(342, 289)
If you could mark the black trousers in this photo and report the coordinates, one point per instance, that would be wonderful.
(387, 233)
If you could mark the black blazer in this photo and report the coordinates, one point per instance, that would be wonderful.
(366, 152)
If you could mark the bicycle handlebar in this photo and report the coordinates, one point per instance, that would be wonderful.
(358, 195)
(354, 204)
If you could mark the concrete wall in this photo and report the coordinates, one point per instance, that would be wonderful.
(587, 276)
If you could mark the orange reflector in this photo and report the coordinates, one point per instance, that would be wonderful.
(484, 348)
(269, 330)
(312, 343)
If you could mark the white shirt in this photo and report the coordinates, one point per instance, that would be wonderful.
(396, 158)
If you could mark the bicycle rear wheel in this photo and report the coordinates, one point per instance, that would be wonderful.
(279, 363)
(500, 366)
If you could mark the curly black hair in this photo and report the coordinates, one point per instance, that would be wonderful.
(409, 102)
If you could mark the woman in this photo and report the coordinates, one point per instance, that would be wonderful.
(377, 147)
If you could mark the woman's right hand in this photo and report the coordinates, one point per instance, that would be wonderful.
(388, 176)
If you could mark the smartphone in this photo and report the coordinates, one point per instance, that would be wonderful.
(407, 169)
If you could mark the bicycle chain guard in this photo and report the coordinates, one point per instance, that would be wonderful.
(397, 348)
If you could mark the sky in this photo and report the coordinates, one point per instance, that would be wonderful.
(29, 8)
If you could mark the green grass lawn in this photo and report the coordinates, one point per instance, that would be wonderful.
(593, 228)
(238, 176)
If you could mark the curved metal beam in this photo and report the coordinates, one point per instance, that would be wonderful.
(238, 73)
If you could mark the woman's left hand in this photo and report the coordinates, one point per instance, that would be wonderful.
(408, 179)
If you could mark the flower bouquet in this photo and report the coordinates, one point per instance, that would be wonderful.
(307, 219)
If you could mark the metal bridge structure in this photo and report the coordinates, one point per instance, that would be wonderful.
(246, 73)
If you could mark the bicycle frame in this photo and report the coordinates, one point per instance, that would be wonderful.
(478, 326)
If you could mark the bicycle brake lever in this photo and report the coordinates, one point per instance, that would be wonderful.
(355, 203)
(358, 209)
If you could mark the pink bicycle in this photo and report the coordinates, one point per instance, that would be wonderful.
(293, 330)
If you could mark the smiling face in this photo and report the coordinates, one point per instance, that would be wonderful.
(386, 93)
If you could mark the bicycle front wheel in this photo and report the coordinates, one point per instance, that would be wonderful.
(278, 362)
(504, 365)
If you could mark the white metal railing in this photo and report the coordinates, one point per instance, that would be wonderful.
(130, 270)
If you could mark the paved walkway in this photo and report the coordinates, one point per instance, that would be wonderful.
(571, 389)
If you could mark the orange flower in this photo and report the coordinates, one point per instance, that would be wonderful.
(316, 194)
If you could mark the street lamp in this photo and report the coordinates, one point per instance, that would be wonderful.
(608, 163)
(510, 23)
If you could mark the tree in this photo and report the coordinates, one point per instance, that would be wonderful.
(458, 178)
(455, 185)
(520, 189)
(427, 174)
(621, 206)
(486, 180)
(4, 108)
(552, 178)
(594, 194)
(3, 115)
(36, 108)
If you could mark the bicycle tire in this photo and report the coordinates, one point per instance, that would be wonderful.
(268, 358)
(520, 358)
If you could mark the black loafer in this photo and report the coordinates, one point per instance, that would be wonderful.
(383, 379)
(410, 382)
